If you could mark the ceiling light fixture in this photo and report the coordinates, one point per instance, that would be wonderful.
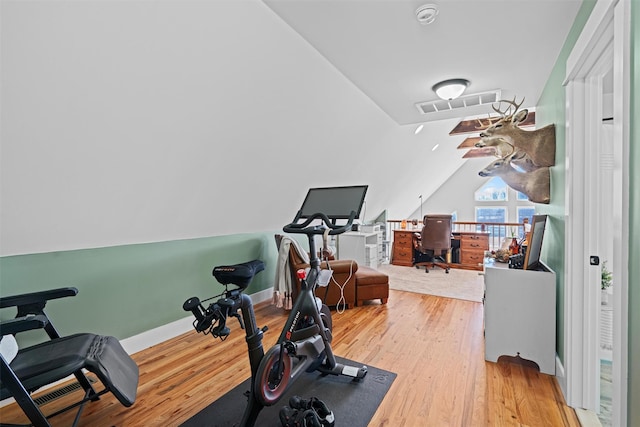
(450, 89)
(418, 129)
(427, 13)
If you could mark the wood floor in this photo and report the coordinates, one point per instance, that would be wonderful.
(434, 345)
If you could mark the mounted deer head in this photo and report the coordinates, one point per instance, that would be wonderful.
(522, 162)
(501, 147)
(535, 184)
(539, 144)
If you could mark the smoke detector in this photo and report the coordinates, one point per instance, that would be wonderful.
(427, 13)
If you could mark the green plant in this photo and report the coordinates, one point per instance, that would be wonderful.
(607, 277)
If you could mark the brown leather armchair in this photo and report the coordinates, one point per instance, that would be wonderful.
(344, 274)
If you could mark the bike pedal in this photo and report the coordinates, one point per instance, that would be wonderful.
(290, 348)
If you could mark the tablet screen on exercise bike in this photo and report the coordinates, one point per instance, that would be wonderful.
(335, 202)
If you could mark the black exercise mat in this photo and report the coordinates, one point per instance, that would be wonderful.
(353, 402)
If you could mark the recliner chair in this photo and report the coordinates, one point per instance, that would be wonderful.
(434, 243)
(361, 283)
(50, 361)
(344, 274)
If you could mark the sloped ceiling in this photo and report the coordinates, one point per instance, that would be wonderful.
(129, 122)
(506, 45)
(381, 48)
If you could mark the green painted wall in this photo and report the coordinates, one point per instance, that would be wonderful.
(551, 109)
(126, 290)
(634, 224)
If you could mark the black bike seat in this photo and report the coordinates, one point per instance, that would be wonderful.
(238, 274)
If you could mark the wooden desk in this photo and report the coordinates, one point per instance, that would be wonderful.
(403, 247)
(472, 247)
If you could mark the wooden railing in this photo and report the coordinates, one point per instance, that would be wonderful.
(498, 231)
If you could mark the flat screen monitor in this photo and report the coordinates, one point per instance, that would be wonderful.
(334, 202)
(532, 257)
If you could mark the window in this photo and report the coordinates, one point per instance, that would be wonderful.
(493, 190)
(493, 206)
(491, 214)
(525, 212)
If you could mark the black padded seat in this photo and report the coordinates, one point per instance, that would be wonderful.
(54, 360)
(60, 357)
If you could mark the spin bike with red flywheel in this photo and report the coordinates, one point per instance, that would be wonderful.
(304, 345)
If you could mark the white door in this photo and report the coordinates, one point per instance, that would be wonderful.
(593, 167)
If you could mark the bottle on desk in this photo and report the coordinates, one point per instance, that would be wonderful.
(514, 247)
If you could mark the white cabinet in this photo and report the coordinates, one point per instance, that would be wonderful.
(520, 315)
(363, 247)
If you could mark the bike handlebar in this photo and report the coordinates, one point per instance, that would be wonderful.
(305, 228)
(213, 319)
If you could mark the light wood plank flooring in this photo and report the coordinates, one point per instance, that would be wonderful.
(435, 345)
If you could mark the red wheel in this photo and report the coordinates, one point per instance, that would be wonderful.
(270, 386)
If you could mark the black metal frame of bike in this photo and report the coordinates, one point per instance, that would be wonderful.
(305, 341)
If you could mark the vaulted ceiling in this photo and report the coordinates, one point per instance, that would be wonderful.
(138, 121)
(508, 47)
(504, 45)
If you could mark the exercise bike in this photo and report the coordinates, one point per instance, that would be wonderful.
(304, 344)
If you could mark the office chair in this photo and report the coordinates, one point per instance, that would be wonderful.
(27, 369)
(434, 241)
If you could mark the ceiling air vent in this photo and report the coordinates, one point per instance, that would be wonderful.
(461, 102)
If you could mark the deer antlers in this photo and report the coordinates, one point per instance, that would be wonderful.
(490, 121)
(512, 104)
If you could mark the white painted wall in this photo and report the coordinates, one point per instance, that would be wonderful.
(128, 122)
(458, 193)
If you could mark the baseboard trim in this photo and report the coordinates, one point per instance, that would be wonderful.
(157, 335)
(561, 377)
(163, 333)
(588, 418)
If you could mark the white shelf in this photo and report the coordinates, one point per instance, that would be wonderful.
(363, 247)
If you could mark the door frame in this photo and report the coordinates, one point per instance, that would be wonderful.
(605, 37)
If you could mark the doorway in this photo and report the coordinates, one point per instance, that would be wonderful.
(606, 243)
(597, 174)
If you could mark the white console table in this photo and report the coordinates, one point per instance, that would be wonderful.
(520, 315)
(363, 247)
